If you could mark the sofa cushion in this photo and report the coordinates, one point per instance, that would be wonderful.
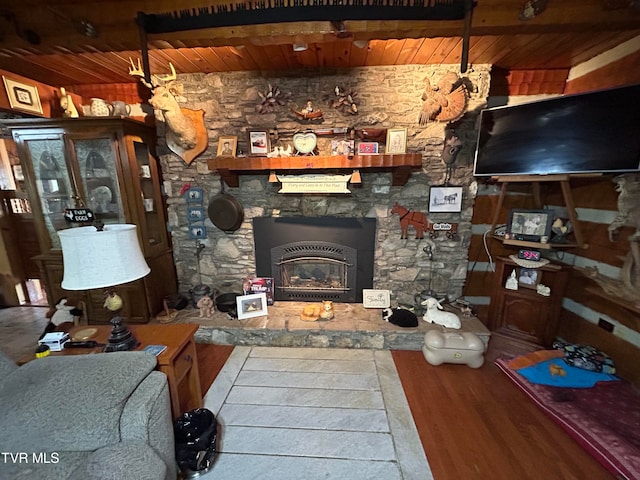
(126, 461)
(69, 402)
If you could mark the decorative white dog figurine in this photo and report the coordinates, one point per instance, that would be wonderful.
(434, 314)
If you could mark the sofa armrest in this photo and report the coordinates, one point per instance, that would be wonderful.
(146, 417)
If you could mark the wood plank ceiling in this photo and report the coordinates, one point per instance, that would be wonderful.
(542, 49)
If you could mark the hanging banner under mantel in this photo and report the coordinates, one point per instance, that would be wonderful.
(314, 183)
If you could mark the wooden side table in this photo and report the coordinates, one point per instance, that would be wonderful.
(178, 361)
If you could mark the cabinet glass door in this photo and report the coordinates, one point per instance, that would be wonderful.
(53, 183)
(99, 178)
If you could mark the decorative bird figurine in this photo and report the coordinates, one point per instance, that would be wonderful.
(443, 103)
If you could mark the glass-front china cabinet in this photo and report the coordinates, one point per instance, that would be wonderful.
(106, 165)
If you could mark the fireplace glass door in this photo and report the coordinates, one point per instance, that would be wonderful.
(314, 273)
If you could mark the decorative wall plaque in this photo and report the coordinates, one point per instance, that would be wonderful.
(314, 183)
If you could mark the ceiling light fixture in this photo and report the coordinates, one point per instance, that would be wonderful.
(300, 47)
(361, 43)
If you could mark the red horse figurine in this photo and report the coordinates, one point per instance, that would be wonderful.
(408, 217)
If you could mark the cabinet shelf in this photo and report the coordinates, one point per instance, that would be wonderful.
(538, 245)
(400, 165)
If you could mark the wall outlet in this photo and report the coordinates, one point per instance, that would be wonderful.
(605, 325)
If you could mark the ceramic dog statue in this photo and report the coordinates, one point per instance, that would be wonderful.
(205, 304)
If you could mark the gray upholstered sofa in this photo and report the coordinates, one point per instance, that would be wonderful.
(102, 416)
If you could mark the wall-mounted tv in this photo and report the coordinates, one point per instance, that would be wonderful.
(589, 133)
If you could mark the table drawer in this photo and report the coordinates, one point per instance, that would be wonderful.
(184, 361)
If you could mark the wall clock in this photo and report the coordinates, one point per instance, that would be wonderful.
(305, 143)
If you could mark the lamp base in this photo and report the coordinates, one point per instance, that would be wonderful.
(121, 338)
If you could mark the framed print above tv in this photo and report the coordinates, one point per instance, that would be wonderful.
(529, 225)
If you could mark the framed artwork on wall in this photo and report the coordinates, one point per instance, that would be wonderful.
(396, 140)
(227, 146)
(259, 143)
(445, 199)
(194, 195)
(23, 96)
(197, 231)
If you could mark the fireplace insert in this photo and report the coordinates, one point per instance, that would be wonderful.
(316, 258)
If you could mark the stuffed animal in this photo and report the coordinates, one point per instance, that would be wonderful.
(311, 313)
(64, 313)
(400, 317)
(205, 304)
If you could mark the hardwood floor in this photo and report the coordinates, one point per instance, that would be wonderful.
(473, 423)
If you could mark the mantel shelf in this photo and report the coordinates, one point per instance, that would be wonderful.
(400, 165)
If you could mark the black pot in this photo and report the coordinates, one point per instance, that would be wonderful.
(226, 302)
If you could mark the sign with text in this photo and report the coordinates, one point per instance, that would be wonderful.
(314, 183)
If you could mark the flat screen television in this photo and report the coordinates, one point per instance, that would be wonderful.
(588, 133)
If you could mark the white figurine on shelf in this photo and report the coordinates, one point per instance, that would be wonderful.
(543, 290)
(512, 281)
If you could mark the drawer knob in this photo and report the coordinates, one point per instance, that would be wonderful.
(187, 357)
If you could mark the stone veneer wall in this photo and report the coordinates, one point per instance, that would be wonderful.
(387, 97)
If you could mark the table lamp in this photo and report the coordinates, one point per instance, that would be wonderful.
(104, 256)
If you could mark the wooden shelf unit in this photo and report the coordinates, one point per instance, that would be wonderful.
(400, 165)
(535, 181)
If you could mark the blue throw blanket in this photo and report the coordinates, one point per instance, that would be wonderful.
(550, 372)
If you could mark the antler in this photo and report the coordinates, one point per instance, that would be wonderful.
(137, 71)
(170, 77)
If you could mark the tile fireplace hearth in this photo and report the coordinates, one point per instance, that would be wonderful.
(352, 327)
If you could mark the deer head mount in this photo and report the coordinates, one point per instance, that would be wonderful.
(181, 134)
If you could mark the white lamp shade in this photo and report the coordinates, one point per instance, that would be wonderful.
(94, 259)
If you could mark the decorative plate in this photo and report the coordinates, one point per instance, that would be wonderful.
(84, 334)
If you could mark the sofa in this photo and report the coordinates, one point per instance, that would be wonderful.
(103, 416)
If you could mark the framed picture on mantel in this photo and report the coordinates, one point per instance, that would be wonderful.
(259, 143)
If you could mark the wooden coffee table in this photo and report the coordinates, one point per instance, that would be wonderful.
(178, 361)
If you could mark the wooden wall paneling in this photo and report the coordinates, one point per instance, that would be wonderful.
(376, 50)
(608, 39)
(614, 74)
(444, 49)
(574, 329)
(358, 56)
(410, 49)
(392, 51)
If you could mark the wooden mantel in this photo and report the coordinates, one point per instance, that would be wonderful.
(401, 165)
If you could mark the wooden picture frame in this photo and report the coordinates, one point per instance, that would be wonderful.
(445, 199)
(249, 306)
(259, 143)
(529, 277)
(227, 146)
(396, 141)
(23, 96)
(529, 225)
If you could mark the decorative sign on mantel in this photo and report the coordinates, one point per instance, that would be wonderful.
(314, 183)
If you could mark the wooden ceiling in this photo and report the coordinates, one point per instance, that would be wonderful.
(42, 40)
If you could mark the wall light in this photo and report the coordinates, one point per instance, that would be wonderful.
(300, 47)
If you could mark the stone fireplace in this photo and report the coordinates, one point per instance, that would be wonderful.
(316, 258)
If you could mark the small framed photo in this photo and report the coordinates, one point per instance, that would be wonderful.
(197, 231)
(259, 143)
(145, 171)
(368, 148)
(529, 277)
(250, 306)
(396, 140)
(194, 195)
(376, 298)
(227, 146)
(18, 173)
(22, 96)
(342, 147)
(195, 214)
(529, 225)
(445, 199)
